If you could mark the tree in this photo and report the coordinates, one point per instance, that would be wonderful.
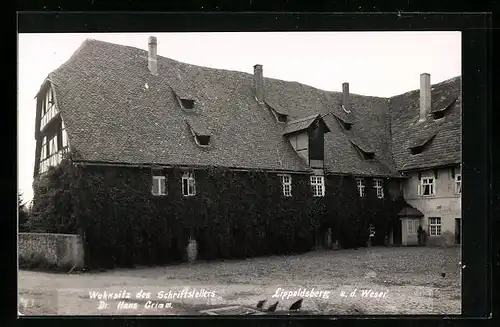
(23, 213)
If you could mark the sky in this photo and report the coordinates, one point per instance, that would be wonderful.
(374, 63)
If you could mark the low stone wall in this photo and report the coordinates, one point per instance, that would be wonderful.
(50, 251)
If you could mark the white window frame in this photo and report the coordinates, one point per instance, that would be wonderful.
(49, 110)
(434, 226)
(371, 230)
(378, 185)
(188, 184)
(458, 183)
(413, 226)
(410, 227)
(64, 135)
(360, 184)
(424, 181)
(318, 185)
(286, 182)
(44, 154)
(53, 145)
(160, 188)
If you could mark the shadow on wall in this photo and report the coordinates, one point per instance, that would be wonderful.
(446, 238)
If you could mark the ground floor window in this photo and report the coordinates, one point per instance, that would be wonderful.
(434, 226)
(413, 226)
(318, 185)
(286, 181)
(188, 184)
(159, 186)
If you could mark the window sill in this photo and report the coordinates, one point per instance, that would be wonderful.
(188, 196)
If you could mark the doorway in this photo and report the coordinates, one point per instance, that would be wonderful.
(458, 229)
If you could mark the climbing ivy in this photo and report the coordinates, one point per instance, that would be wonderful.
(233, 214)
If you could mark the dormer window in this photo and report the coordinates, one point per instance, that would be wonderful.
(344, 122)
(367, 155)
(281, 118)
(347, 126)
(203, 140)
(187, 103)
(417, 150)
(277, 113)
(438, 114)
(441, 106)
(419, 144)
(363, 149)
(200, 133)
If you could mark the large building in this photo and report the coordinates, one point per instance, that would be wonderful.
(119, 106)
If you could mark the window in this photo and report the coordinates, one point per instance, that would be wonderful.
(281, 118)
(44, 148)
(159, 186)
(64, 136)
(458, 183)
(434, 226)
(417, 149)
(53, 145)
(360, 183)
(371, 229)
(426, 186)
(50, 100)
(286, 181)
(378, 185)
(438, 114)
(203, 140)
(187, 103)
(188, 185)
(318, 185)
(47, 102)
(413, 226)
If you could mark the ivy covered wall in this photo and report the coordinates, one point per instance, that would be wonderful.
(232, 215)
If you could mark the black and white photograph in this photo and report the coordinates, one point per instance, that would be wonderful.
(239, 173)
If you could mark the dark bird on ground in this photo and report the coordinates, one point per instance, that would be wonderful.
(272, 307)
(296, 305)
(260, 304)
(443, 274)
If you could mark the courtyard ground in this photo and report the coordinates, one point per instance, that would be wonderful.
(402, 280)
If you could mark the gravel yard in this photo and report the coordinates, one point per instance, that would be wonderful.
(401, 280)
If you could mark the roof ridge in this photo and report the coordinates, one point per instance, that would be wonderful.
(435, 85)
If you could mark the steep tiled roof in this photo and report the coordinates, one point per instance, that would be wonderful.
(116, 111)
(443, 135)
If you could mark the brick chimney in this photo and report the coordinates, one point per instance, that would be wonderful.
(152, 61)
(258, 83)
(425, 96)
(345, 96)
